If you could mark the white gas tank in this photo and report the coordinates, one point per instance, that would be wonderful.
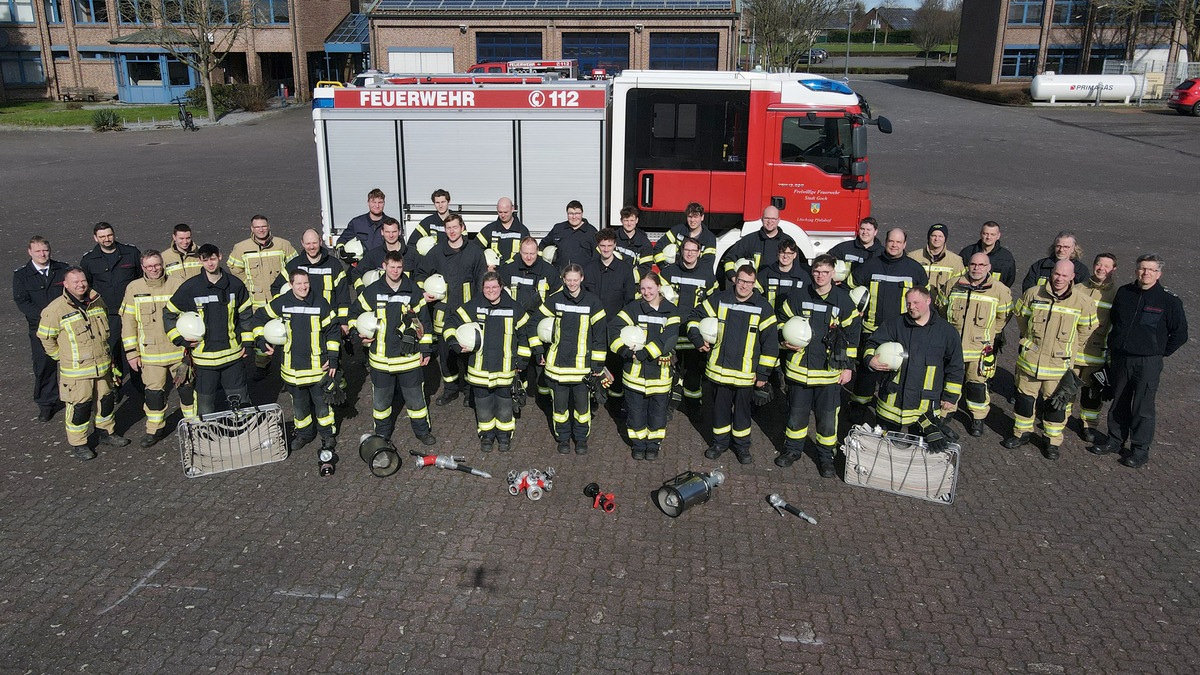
(1057, 88)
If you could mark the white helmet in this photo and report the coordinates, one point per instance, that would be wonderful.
(710, 328)
(371, 276)
(367, 323)
(191, 326)
(670, 252)
(796, 331)
(545, 330)
(436, 286)
(841, 270)
(354, 248)
(285, 289)
(669, 293)
(860, 297)
(425, 244)
(469, 335)
(275, 332)
(742, 262)
(891, 354)
(550, 253)
(634, 337)
(490, 257)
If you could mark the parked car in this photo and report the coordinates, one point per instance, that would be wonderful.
(809, 57)
(1185, 100)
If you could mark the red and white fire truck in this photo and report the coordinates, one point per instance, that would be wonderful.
(735, 142)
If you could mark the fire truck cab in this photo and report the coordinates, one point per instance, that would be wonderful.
(735, 142)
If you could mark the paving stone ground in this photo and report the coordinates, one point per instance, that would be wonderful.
(122, 564)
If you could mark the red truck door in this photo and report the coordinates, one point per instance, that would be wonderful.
(808, 171)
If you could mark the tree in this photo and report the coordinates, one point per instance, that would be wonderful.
(1186, 14)
(931, 26)
(784, 27)
(199, 33)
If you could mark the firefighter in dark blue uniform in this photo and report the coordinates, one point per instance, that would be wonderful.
(35, 285)
(633, 244)
(110, 266)
(504, 234)
(692, 282)
(760, 247)
(647, 367)
(575, 238)
(366, 227)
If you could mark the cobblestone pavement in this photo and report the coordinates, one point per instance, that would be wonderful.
(123, 564)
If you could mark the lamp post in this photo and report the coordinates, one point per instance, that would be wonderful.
(874, 32)
(849, 20)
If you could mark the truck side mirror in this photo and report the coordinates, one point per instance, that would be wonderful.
(885, 125)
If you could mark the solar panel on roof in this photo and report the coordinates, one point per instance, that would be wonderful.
(581, 5)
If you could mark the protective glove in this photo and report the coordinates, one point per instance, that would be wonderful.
(595, 384)
(348, 344)
(763, 395)
(931, 429)
(987, 362)
(999, 342)
(331, 390)
(1108, 390)
(519, 396)
(1066, 391)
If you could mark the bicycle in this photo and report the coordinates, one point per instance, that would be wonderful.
(185, 115)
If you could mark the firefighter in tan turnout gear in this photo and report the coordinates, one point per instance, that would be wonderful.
(1095, 353)
(148, 349)
(978, 306)
(74, 331)
(1056, 321)
(257, 262)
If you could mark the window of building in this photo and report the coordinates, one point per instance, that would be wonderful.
(507, 46)
(53, 11)
(135, 11)
(684, 51)
(143, 70)
(1025, 12)
(1019, 62)
(1070, 12)
(271, 11)
(172, 11)
(16, 11)
(225, 11)
(609, 51)
(90, 11)
(1062, 60)
(22, 68)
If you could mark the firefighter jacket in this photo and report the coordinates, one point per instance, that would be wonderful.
(1147, 322)
(374, 259)
(828, 353)
(932, 372)
(505, 241)
(616, 283)
(109, 273)
(635, 248)
(462, 268)
(143, 333)
(327, 278)
(1040, 271)
(1095, 352)
(258, 265)
(33, 291)
(431, 224)
(776, 285)
(574, 245)
(978, 312)
(887, 280)
(1054, 330)
(759, 249)
(75, 333)
(529, 284)
(650, 372)
(854, 253)
(314, 338)
(940, 268)
(693, 286)
(1004, 266)
(397, 309)
(505, 346)
(676, 235)
(365, 229)
(747, 347)
(182, 265)
(227, 311)
(580, 344)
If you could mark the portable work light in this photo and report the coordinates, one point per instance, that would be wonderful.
(686, 490)
(379, 454)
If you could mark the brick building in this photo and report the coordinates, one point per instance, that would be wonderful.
(49, 48)
(1017, 39)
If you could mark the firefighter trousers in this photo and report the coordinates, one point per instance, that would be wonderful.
(309, 407)
(732, 407)
(646, 419)
(451, 365)
(392, 391)
(158, 379)
(90, 401)
(1131, 417)
(1028, 391)
(210, 379)
(691, 362)
(45, 374)
(1090, 397)
(975, 391)
(494, 412)
(572, 410)
(824, 402)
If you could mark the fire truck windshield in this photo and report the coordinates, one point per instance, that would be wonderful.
(823, 142)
